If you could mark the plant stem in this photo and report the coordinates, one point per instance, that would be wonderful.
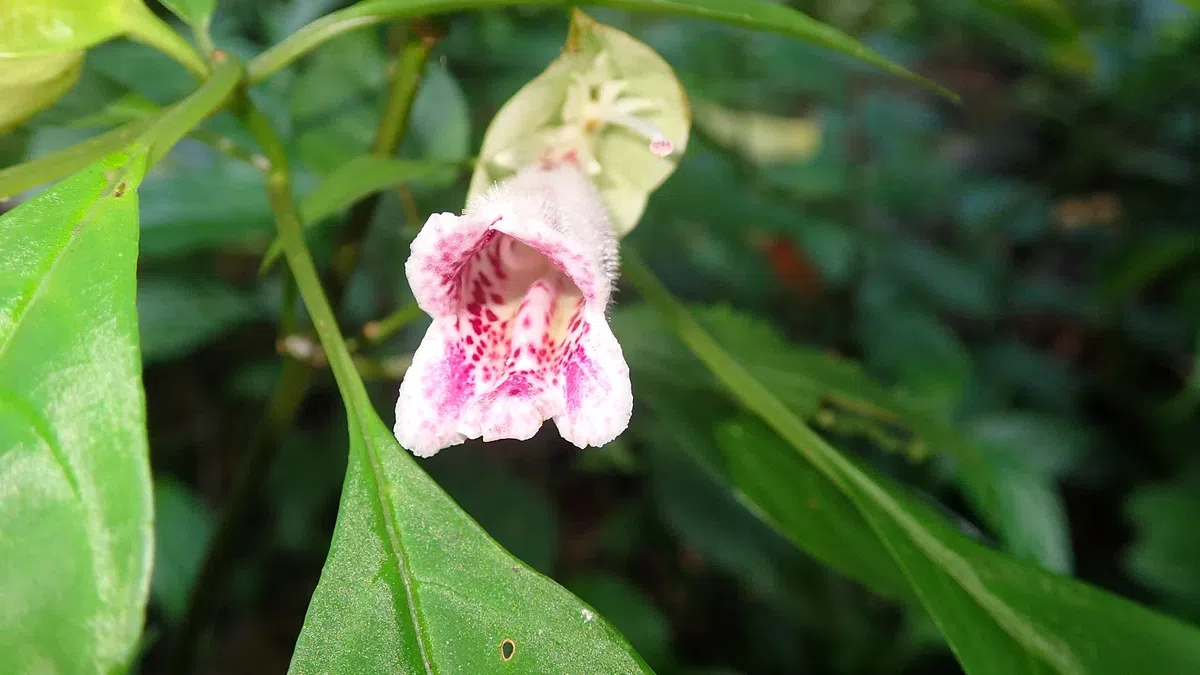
(144, 26)
(741, 384)
(182, 117)
(297, 378)
(407, 73)
(377, 331)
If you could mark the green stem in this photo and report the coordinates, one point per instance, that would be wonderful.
(741, 384)
(378, 331)
(407, 73)
(17, 179)
(880, 508)
(310, 37)
(181, 118)
(144, 26)
(297, 378)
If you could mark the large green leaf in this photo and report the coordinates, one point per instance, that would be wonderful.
(999, 614)
(75, 503)
(755, 14)
(807, 508)
(412, 584)
(821, 386)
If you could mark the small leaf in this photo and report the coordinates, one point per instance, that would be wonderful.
(76, 515)
(29, 84)
(192, 12)
(361, 176)
(357, 178)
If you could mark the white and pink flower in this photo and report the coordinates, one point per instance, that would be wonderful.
(519, 284)
(517, 287)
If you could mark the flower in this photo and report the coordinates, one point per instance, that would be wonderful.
(517, 287)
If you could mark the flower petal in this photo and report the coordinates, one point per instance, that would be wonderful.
(598, 397)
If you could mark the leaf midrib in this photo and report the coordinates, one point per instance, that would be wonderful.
(395, 546)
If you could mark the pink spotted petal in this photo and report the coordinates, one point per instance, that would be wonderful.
(598, 397)
(517, 287)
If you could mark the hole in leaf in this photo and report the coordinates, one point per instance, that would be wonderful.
(507, 649)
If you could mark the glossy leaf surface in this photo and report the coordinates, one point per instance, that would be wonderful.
(75, 503)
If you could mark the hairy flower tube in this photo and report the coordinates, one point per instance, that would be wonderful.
(517, 287)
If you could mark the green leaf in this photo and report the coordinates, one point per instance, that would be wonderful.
(517, 513)
(178, 315)
(1164, 554)
(1000, 615)
(16, 179)
(29, 84)
(629, 610)
(192, 12)
(694, 498)
(413, 585)
(807, 508)
(49, 26)
(758, 137)
(76, 512)
(361, 176)
(183, 527)
(754, 14)
(1005, 468)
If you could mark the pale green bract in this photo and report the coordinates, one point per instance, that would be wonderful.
(609, 100)
(29, 84)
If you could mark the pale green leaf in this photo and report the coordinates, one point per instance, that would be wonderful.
(29, 84)
(75, 510)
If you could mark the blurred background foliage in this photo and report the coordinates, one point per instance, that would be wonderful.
(1013, 279)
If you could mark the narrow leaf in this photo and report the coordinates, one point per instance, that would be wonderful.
(75, 503)
(999, 614)
(807, 508)
(357, 178)
(754, 14)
